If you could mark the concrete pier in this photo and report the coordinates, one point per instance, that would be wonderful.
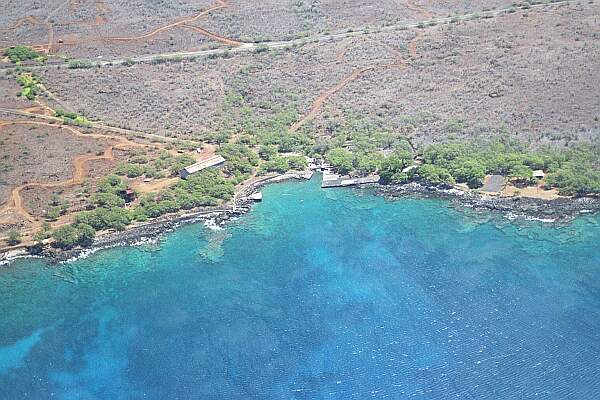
(331, 179)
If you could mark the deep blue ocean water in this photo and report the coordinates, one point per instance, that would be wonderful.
(315, 294)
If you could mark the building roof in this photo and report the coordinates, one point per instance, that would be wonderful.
(200, 165)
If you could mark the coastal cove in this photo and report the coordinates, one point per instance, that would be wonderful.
(558, 211)
(315, 294)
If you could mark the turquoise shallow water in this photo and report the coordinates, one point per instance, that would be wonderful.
(314, 295)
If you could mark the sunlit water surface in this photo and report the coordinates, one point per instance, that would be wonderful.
(314, 295)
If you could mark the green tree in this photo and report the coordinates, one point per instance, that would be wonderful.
(111, 184)
(43, 233)
(521, 172)
(69, 236)
(393, 165)
(14, 237)
(297, 163)
(340, 159)
(471, 172)
(18, 54)
(435, 175)
(105, 218)
(276, 164)
(53, 213)
(267, 152)
(367, 163)
(104, 199)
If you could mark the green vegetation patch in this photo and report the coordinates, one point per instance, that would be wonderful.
(283, 164)
(166, 164)
(29, 85)
(240, 160)
(69, 236)
(14, 237)
(573, 171)
(80, 64)
(72, 118)
(207, 188)
(19, 54)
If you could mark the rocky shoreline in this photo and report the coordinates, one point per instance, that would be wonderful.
(560, 210)
(151, 230)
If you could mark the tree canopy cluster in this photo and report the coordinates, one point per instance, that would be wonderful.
(155, 166)
(72, 118)
(18, 54)
(240, 160)
(29, 85)
(283, 164)
(573, 171)
(207, 188)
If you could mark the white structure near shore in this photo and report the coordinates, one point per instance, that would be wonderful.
(331, 179)
(256, 196)
(213, 161)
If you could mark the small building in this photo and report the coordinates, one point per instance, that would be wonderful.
(539, 174)
(213, 161)
(127, 194)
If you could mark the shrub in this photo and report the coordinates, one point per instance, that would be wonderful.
(275, 164)
(297, 163)
(103, 199)
(129, 170)
(267, 152)
(393, 165)
(18, 54)
(72, 118)
(80, 64)
(29, 84)
(105, 218)
(69, 236)
(261, 49)
(435, 175)
(340, 159)
(14, 237)
(53, 213)
(368, 162)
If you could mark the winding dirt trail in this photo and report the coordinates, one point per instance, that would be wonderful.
(214, 36)
(102, 9)
(42, 48)
(412, 46)
(323, 97)
(181, 22)
(30, 19)
(80, 171)
(398, 63)
(411, 5)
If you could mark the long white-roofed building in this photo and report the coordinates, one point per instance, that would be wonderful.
(213, 161)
